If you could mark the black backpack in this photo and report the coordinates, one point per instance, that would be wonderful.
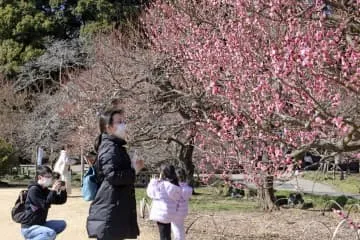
(18, 212)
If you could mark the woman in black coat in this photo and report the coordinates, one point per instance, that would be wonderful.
(112, 214)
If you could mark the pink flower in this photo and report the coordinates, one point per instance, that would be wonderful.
(338, 121)
(260, 80)
(345, 129)
(319, 120)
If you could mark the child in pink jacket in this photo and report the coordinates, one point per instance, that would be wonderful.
(177, 225)
(165, 193)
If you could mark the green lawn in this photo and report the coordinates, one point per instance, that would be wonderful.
(207, 199)
(319, 202)
(351, 184)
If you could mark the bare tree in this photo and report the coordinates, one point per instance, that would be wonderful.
(51, 69)
(161, 112)
(12, 111)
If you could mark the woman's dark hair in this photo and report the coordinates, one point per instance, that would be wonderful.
(181, 174)
(43, 170)
(107, 118)
(168, 173)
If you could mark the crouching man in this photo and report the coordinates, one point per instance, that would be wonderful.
(37, 204)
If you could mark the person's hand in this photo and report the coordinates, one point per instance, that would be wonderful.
(56, 186)
(90, 160)
(62, 188)
(139, 164)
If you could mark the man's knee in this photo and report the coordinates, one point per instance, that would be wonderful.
(62, 225)
(57, 225)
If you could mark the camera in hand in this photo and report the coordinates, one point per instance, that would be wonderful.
(56, 177)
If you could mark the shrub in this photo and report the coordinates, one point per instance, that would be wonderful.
(6, 155)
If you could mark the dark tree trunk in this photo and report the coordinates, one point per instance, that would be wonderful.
(266, 194)
(186, 158)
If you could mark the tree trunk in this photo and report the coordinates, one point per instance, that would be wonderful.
(186, 158)
(266, 194)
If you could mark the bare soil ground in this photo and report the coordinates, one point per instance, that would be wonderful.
(282, 225)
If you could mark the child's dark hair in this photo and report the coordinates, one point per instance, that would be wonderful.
(181, 174)
(105, 119)
(43, 170)
(56, 175)
(168, 173)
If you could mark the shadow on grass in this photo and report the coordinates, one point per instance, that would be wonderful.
(12, 185)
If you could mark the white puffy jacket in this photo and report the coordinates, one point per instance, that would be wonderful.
(165, 197)
(183, 202)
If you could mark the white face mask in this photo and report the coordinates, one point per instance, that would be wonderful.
(46, 182)
(120, 131)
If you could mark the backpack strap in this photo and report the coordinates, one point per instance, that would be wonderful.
(23, 196)
(99, 174)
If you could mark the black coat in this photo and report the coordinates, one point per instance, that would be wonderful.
(112, 214)
(38, 202)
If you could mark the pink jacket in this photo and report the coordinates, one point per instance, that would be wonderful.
(183, 202)
(165, 196)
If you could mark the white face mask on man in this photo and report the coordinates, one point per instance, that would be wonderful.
(120, 131)
(46, 181)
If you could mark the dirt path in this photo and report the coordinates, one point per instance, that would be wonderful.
(74, 212)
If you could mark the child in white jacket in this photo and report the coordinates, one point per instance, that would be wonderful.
(177, 225)
(165, 193)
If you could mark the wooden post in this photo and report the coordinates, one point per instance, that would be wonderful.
(51, 157)
(82, 164)
(36, 156)
(81, 153)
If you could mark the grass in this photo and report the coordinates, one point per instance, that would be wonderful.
(351, 184)
(140, 193)
(16, 180)
(319, 202)
(76, 180)
(24, 180)
(207, 200)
